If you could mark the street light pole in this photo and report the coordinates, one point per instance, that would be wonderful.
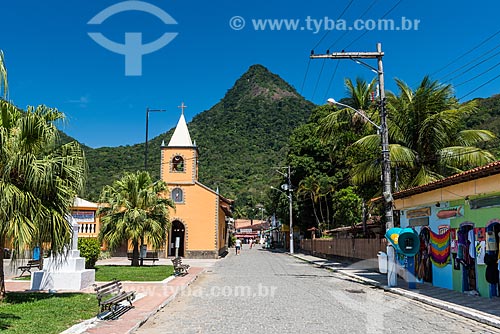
(384, 136)
(147, 130)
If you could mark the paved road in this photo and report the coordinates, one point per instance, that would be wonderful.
(264, 292)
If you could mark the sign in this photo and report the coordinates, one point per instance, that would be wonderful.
(84, 216)
(417, 213)
(246, 230)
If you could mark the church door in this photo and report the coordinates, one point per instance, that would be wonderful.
(178, 231)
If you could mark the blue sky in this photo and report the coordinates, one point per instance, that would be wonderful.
(52, 60)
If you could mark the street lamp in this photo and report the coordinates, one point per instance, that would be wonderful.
(146, 143)
(288, 188)
(386, 176)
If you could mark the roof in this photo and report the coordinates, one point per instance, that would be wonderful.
(472, 174)
(80, 202)
(181, 137)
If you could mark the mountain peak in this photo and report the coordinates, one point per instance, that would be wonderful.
(258, 81)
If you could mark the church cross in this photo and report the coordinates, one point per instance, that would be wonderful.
(182, 107)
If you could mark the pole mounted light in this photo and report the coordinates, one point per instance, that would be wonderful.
(386, 164)
(147, 129)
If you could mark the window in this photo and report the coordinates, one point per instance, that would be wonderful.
(178, 164)
(177, 195)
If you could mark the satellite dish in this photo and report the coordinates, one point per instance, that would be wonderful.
(284, 186)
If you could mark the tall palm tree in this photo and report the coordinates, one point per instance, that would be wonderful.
(3, 76)
(427, 137)
(137, 210)
(38, 181)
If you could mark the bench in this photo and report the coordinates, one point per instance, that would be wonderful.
(28, 266)
(110, 295)
(150, 256)
(179, 268)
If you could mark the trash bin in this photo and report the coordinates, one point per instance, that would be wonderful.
(382, 262)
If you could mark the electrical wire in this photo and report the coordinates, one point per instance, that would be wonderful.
(481, 86)
(319, 78)
(338, 18)
(346, 31)
(305, 76)
(366, 31)
(466, 53)
(478, 75)
(469, 63)
(331, 79)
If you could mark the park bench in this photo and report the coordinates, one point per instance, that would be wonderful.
(179, 268)
(150, 256)
(110, 295)
(28, 266)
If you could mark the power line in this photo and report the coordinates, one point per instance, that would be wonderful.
(465, 54)
(479, 75)
(473, 66)
(346, 31)
(481, 86)
(338, 18)
(319, 77)
(305, 76)
(366, 31)
(331, 80)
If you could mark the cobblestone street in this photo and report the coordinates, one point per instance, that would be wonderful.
(267, 292)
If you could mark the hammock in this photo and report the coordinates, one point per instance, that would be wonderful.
(440, 248)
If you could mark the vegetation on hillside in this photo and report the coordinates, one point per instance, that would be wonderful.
(241, 140)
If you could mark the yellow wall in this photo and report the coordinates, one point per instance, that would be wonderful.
(481, 186)
(198, 215)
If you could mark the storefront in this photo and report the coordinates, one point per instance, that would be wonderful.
(458, 222)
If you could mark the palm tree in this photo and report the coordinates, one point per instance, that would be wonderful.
(3, 76)
(38, 181)
(427, 137)
(138, 209)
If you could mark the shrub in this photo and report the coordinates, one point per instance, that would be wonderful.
(90, 249)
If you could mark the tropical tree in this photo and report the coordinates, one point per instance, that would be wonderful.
(39, 180)
(137, 210)
(3, 76)
(427, 135)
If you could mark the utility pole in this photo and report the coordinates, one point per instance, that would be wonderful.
(384, 134)
(147, 130)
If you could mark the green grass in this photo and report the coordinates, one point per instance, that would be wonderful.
(23, 278)
(44, 313)
(129, 273)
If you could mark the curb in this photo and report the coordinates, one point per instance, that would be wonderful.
(164, 303)
(484, 318)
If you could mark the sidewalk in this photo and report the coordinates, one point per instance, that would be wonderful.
(481, 309)
(150, 298)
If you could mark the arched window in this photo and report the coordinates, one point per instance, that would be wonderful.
(177, 195)
(178, 164)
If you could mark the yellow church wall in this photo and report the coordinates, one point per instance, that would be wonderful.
(199, 218)
(477, 187)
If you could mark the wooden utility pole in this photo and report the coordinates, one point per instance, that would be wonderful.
(384, 134)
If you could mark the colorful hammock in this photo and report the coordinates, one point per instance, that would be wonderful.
(440, 248)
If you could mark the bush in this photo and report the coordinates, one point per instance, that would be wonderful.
(90, 249)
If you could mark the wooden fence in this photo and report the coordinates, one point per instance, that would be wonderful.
(349, 248)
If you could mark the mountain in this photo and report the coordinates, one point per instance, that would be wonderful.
(241, 140)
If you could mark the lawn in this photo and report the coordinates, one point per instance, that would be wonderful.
(129, 273)
(44, 313)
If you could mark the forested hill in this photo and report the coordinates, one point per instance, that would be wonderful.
(240, 139)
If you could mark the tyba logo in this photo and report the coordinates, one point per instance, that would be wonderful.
(133, 49)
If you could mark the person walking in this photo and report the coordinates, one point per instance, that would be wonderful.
(238, 246)
(251, 243)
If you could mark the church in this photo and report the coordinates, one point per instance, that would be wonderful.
(201, 218)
